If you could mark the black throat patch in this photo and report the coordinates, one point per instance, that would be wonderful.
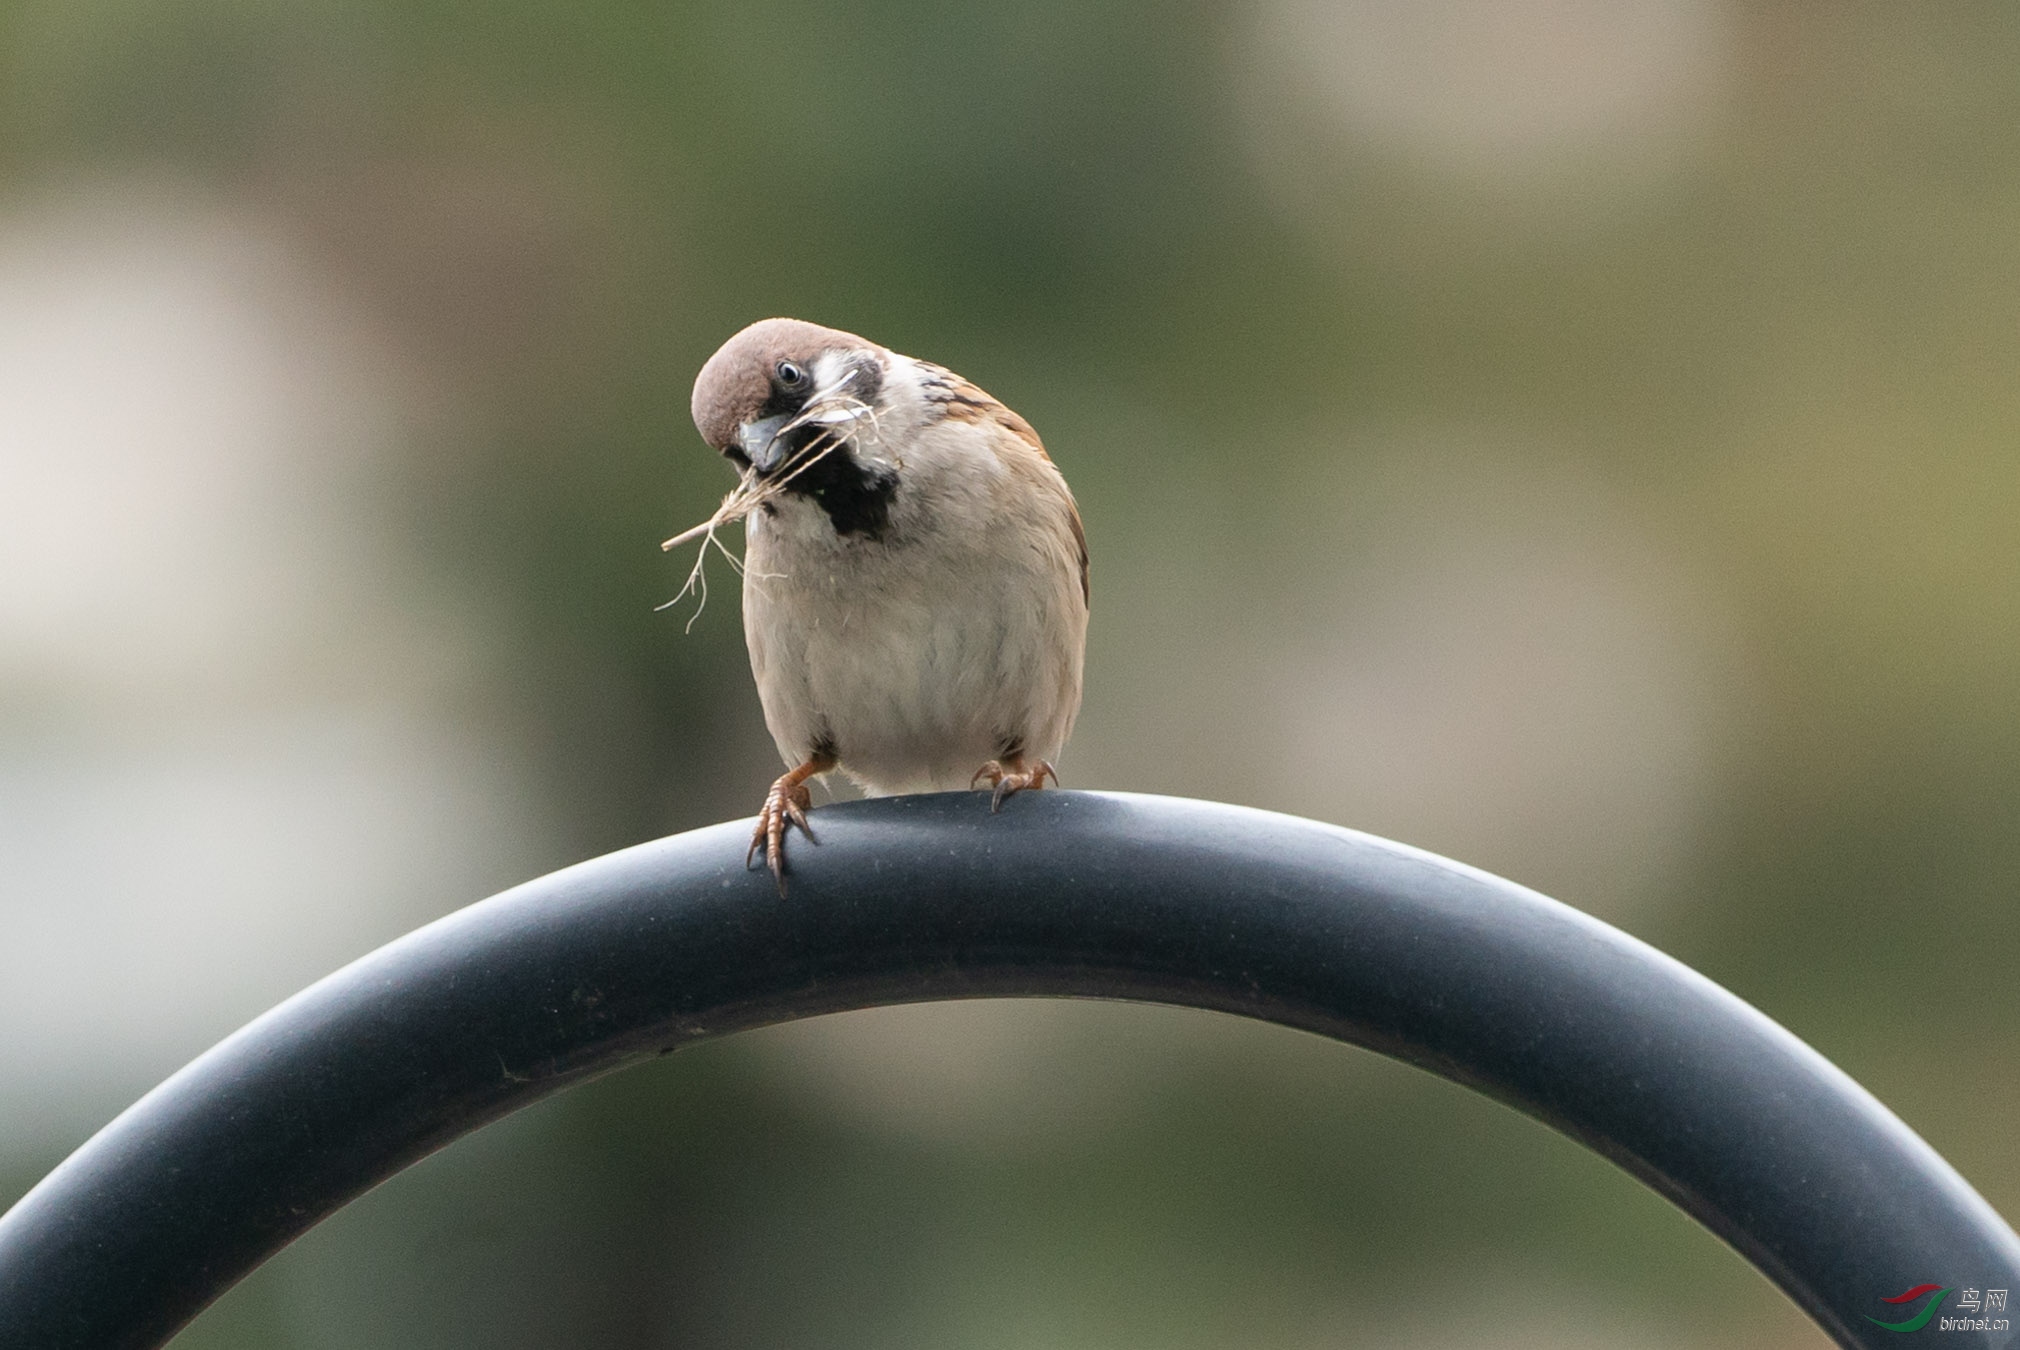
(856, 496)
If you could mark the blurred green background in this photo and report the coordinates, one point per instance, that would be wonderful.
(1576, 436)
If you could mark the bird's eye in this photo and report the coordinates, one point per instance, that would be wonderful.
(791, 374)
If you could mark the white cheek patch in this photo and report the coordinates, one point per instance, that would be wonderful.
(838, 402)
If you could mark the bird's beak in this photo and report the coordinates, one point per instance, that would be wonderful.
(761, 442)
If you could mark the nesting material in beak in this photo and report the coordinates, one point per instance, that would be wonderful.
(764, 442)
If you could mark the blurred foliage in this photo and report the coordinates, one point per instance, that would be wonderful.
(1788, 350)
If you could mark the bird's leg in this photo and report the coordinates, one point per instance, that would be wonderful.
(785, 804)
(1009, 775)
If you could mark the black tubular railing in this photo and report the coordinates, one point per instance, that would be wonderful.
(617, 960)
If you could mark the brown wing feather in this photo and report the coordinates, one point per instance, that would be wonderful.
(1080, 543)
(960, 399)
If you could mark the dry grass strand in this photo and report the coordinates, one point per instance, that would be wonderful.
(840, 417)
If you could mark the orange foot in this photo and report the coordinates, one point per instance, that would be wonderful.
(1010, 775)
(785, 804)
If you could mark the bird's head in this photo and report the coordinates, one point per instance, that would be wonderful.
(782, 391)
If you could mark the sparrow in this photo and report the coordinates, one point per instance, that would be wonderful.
(915, 589)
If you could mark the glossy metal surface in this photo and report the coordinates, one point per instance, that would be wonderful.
(1065, 893)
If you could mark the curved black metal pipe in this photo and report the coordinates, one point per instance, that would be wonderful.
(923, 898)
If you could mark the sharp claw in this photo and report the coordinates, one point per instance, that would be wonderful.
(1009, 782)
(785, 806)
(774, 852)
